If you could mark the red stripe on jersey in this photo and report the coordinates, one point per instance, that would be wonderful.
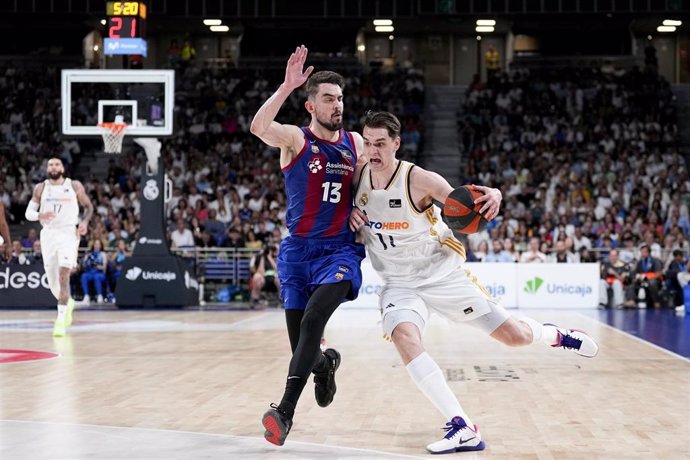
(352, 142)
(312, 201)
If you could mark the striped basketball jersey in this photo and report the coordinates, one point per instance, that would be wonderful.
(62, 201)
(318, 183)
(405, 244)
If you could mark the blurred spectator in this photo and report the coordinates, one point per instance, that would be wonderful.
(647, 279)
(214, 227)
(264, 277)
(182, 237)
(32, 236)
(36, 256)
(561, 256)
(675, 266)
(510, 249)
(117, 259)
(615, 282)
(18, 257)
(498, 254)
(94, 265)
(533, 254)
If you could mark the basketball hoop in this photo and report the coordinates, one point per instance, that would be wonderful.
(113, 134)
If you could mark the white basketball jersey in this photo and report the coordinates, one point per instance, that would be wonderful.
(62, 201)
(405, 244)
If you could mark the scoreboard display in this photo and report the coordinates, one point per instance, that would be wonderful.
(126, 28)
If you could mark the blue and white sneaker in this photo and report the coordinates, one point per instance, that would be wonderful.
(459, 438)
(575, 340)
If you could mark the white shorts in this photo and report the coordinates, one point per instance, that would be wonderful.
(457, 297)
(59, 247)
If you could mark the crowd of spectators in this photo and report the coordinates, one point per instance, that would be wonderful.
(228, 187)
(587, 161)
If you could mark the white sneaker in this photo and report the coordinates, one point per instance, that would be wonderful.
(576, 340)
(85, 302)
(459, 438)
(99, 299)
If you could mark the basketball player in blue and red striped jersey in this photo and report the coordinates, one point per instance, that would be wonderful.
(319, 263)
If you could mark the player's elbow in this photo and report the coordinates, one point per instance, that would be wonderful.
(31, 212)
(256, 128)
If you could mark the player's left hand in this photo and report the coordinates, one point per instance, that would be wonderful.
(357, 219)
(491, 197)
(83, 228)
(8, 252)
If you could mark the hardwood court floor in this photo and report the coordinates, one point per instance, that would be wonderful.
(194, 384)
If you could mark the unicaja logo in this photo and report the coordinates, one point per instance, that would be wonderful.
(133, 273)
(532, 286)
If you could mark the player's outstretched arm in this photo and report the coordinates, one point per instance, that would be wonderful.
(433, 186)
(85, 201)
(264, 126)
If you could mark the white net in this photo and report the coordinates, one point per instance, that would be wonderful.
(113, 134)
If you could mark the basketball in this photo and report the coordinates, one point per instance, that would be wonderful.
(461, 214)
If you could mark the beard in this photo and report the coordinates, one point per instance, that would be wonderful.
(330, 125)
(55, 175)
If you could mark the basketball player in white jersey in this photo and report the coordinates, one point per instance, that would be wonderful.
(422, 266)
(55, 203)
(5, 234)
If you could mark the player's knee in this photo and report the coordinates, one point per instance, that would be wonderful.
(312, 320)
(406, 334)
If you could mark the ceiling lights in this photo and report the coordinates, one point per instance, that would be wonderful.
(669, 25)
(485, 25)
(216, 25)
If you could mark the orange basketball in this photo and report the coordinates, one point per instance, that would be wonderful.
(460, 212)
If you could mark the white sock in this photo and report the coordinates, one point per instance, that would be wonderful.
(540, 332)
(61, 312)
(430, 380)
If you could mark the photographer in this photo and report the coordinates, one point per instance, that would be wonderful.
(263, 268)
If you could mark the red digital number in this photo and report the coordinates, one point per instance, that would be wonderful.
(114, 31)
(133, 32)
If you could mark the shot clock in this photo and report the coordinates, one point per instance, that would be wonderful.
(126, 28)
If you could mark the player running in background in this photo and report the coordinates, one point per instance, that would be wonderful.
(319, 263)
(422, 266)
(5, 234)
(55, 203)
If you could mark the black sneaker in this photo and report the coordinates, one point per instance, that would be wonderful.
(324, 382)
(277, 425)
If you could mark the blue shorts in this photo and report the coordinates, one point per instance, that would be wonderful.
(305, 264)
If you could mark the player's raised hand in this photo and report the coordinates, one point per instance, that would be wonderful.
(294, 76)
(357, 219)
(491, 197)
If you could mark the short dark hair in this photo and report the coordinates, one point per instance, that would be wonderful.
(383, 120)
(324, 76)
(677, 252)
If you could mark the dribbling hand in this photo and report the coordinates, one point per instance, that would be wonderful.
(294, 77)
(492, 201)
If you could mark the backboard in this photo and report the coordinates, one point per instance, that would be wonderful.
(144, 99)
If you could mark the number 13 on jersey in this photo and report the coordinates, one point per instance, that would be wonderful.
(331, 192)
